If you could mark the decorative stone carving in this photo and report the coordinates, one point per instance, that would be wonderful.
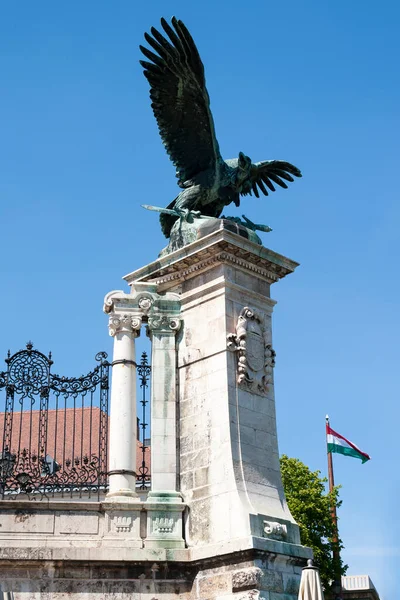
(163, 524)
(145, 303)
(164, 520)
(274, 530)
(121, 523)
(256, 357)
(164, 323)
(110, 298)
(117, 323)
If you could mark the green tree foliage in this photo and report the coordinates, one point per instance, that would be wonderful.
(310, 505)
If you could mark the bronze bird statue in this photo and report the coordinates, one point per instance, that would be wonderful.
(181, 106)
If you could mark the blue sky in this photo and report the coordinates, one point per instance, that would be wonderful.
(314, 83)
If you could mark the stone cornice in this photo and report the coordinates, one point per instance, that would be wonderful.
(92, 551)
(218, 247)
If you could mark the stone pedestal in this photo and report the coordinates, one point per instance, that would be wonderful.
(229, 469)
(229, 461)
(164, 520)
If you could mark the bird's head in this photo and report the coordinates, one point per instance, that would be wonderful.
(244, 162)
(243, 169)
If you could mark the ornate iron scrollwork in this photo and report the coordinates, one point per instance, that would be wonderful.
(143, 475)
(54, 431)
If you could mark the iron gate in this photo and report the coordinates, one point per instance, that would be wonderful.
(53, 431)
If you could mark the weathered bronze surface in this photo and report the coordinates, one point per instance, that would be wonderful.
(181, 106)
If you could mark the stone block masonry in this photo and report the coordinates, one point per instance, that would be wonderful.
(51, 572)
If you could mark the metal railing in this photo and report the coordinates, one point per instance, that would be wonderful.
(143, 472)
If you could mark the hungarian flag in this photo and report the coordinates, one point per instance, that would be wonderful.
(338, 443)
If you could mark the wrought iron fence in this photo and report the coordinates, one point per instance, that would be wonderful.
(53, 431)
(143, 472)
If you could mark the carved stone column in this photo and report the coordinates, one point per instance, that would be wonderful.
(161, 312)
(162, 330)
(122, 456)
(164, 503)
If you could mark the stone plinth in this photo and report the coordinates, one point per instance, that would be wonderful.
(145, 575)
(76, 550)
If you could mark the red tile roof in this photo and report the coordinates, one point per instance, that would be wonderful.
(71, 433)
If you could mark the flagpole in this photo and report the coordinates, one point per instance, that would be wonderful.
(335, 539)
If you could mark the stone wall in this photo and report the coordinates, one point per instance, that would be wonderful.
(64, 550)
(33, 574)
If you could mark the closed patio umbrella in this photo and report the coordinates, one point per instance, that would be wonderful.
(310, 583)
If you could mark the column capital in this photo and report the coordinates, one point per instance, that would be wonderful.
(124, 323)
(163, 323)
(113, 298)
(127, 312)
(143, 301)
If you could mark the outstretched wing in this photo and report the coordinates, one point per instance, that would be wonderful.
(180, 100)
(264, 174)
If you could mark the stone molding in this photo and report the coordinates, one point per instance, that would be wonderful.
(221, 257)
(91, 548)
(219, 247)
